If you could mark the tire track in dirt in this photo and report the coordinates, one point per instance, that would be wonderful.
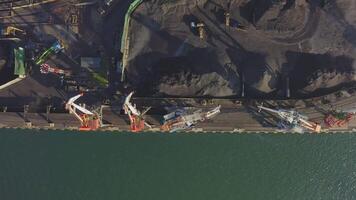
(308, 30)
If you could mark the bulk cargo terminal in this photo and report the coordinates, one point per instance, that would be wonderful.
(178, 66)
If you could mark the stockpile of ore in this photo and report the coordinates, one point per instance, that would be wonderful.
(309, 43)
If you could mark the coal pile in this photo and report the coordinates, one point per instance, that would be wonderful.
(310, 43)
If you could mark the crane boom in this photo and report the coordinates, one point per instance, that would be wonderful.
(181, 120)
(293, 118)
(71, 100)
(81, 109)
(71, 104)
(55, 48)
(88, 119)
(268, 109)
(212, 113)
(137, 121)
(130, 106)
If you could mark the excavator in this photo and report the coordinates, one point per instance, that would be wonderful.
(292, 120)
(13, 31)
(182, 119)
(137, 121)
(89, 120)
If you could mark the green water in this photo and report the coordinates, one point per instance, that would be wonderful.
(52, 165)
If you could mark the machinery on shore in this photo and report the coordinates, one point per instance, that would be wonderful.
(339, 117)
(46, 68)
(11, 31)
(292, 120)
(200, 26)
(137, 121)
(55, 48)
(229, 22)
(181, 119)
(89, 120)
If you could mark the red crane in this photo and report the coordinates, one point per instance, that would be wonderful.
(88, 120)
(137, 122)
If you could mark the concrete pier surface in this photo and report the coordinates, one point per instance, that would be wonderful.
(234, 117)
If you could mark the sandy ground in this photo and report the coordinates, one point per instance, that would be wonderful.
(311, 44)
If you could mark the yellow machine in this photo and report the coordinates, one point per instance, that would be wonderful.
(10, 30)
(200, 27)
(233, 23)
(227, 19)
(201, 30)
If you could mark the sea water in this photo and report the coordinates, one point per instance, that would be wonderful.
(68, 165)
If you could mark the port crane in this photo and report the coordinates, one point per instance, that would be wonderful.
(46, 68)
(89, 120)
(180, 119)
(137, 121)
(291, 119)
(55, 48)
